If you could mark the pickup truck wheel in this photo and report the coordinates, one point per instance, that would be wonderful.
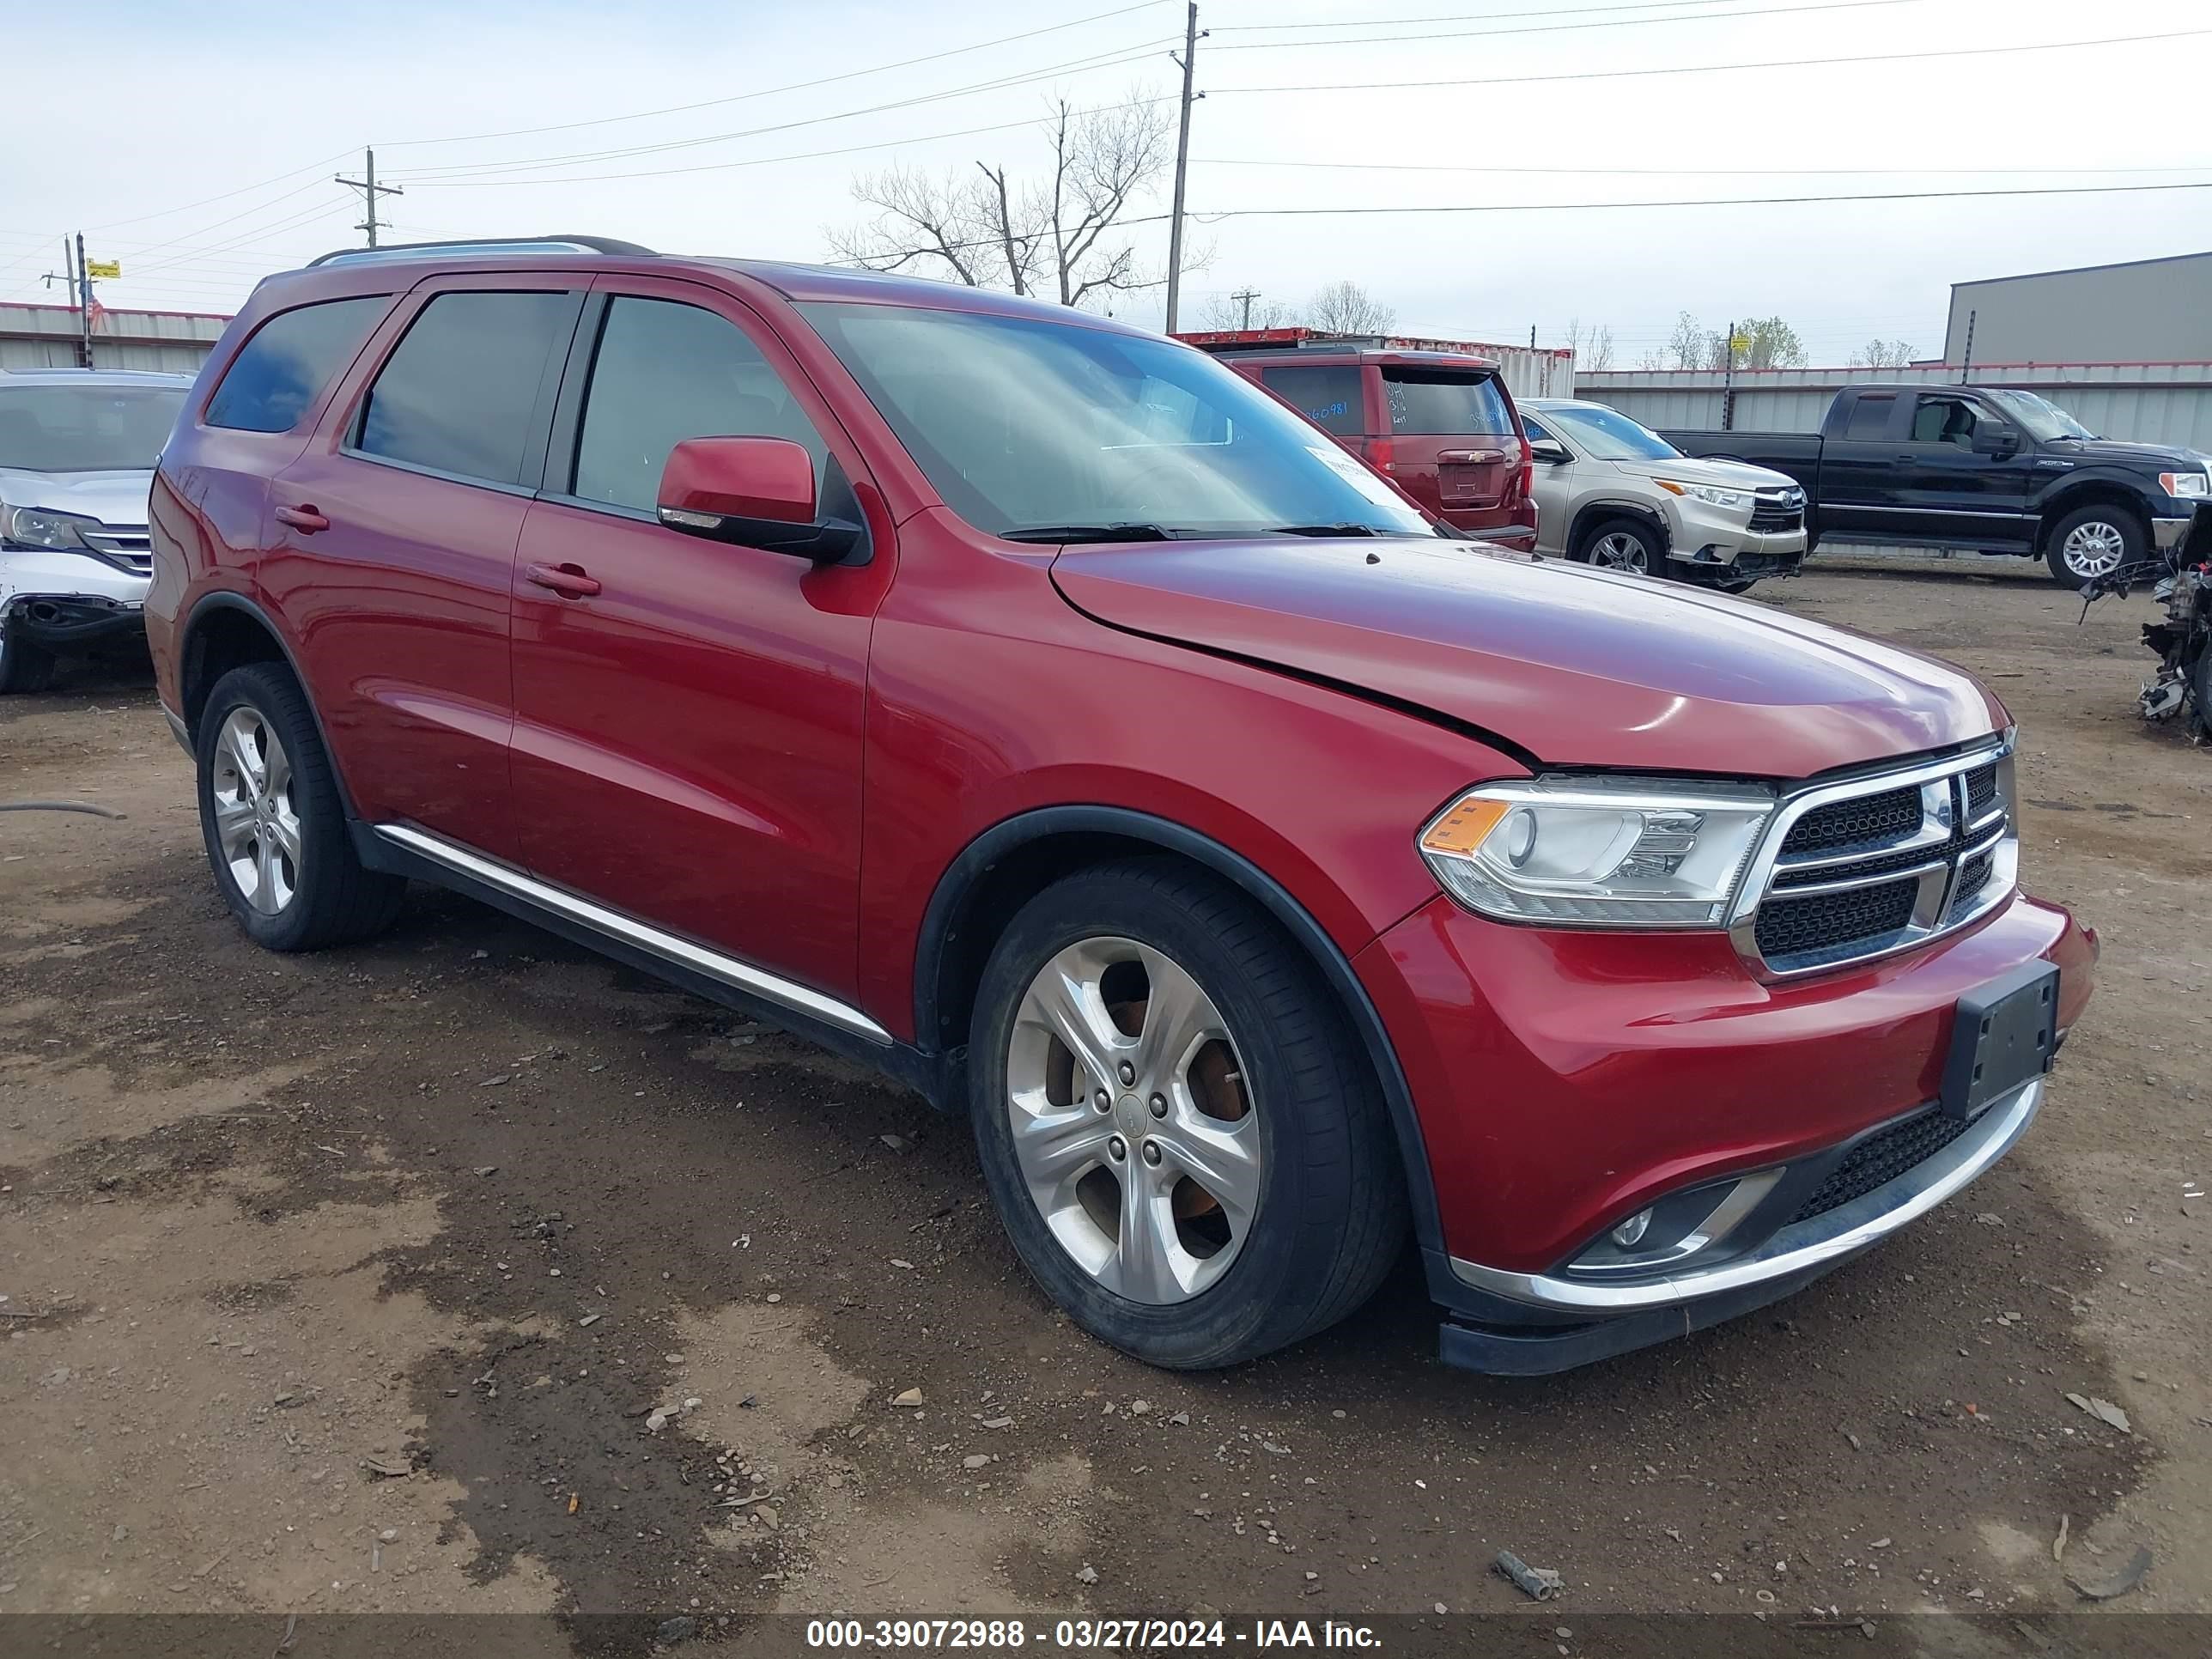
(1626, 544)
(23, 667)
(1183, 1138)
(2095, 541)
(273, 826)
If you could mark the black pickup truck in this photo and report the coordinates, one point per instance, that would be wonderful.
(1979, 468)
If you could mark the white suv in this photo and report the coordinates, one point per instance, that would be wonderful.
(1612, 492)
(77, 448)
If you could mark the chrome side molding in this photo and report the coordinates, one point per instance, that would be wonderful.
(627, 930)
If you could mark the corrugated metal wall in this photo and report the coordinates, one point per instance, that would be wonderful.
(2143, 403)
(46, 337)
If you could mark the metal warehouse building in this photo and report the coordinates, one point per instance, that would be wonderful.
(48, 337)
(2145, 311)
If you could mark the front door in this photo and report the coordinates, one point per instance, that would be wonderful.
(687, 745)
(1953, 490)
(392, 550)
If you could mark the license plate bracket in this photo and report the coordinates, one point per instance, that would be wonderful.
(2004, 1034)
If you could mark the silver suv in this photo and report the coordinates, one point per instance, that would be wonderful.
(77, 448)
(1612, 492)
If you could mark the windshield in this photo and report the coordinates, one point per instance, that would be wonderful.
(1025, 425)
(2044, 420)
(1608, 434)
(86, 429)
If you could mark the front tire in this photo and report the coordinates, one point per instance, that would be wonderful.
(24, 667)
(1626, 544)
(2095, 541)
(273, 823)
(1239, 1189)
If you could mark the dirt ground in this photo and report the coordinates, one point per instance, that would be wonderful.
(467, 1271)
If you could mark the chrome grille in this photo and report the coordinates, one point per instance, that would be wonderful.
(127, 547)
(1855, 870)
(1776, 510)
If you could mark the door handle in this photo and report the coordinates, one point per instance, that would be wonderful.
(303, 518)
(568, 580)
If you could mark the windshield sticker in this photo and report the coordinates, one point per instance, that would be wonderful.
(1360, 478)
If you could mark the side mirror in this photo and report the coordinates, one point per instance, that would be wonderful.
(753, 492)
(1998, 441)
(1550, 451)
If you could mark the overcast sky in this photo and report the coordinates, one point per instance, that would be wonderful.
(126, 118)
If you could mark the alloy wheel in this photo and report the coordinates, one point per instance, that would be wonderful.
(1133, 1127)
(1619, 550)
(2094, 548)
(257, 819)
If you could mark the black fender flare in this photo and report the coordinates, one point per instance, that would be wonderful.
(226, 600)
(959, 879)
(1594, 512)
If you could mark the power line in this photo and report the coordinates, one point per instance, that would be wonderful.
(1562, 28)
(796, 86)
(370, 189)
(1720, 68)
(1469, 16)
(1134, 53)
(1689, 173)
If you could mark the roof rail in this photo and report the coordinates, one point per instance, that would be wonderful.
(475, 244)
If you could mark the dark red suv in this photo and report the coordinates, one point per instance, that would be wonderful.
(1031, 706)
(1439, 424)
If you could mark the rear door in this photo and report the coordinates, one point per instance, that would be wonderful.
(687, 746)
(392, 550)
(1950, 491)
(1856, 494)
(1452, 445)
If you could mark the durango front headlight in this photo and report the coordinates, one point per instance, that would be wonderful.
(1711, 494)
(1599, 852)
(31, 526)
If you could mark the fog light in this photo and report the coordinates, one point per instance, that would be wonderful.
(1631, 1232)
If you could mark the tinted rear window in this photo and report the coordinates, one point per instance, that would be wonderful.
(461, 393)
(290, 359)
(1449, 401)
(1869, 417)
(1329, 397)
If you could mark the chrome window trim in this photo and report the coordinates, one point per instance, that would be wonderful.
(614, 925)
(1996, 831)
(1799, 1248)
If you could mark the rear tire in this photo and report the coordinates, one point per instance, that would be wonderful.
(273, 823)
(2095, 541)
(24, 667)
(1225, 1054)
(1626, 544)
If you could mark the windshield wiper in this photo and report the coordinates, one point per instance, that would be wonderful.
(1088, 532)
(1323, 530)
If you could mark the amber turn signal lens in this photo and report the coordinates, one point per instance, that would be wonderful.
(1461, 829)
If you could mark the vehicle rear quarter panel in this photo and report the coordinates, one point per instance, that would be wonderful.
(990, 696)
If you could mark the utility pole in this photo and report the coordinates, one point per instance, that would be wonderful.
(1727, 383)
(67, 276)
(370, 189)
(1967, 362)
(83, 302)
(1244, 297)
(1190, 59)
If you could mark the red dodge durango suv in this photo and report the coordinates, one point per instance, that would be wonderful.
(1035, 708)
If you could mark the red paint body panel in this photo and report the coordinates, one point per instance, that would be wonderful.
(1565, 1079)
(785, 761)
(1581, 665)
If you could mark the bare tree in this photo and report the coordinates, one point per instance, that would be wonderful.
(1651, 360)
(1227, 310)
(1593, 347)
(1878, 353)
(1347, 309)
(1058, 235)
(1687, 344)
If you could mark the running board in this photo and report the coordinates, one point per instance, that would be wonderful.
(637, 935)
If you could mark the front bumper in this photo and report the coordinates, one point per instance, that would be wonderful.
(68, 601)
(1566, 1081)
(2166, 531)
(1701, 535)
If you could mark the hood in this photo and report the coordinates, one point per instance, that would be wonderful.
(1689, 468)
(1576, 665)
(2089, 451)
(113, 498)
